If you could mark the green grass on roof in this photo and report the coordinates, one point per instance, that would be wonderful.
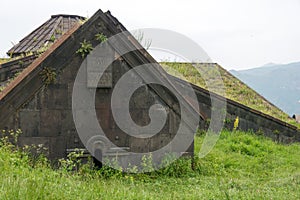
(4, 60)
(234, 88)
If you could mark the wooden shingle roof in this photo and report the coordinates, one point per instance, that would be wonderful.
(38, 40)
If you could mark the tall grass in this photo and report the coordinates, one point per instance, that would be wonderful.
(241, 166)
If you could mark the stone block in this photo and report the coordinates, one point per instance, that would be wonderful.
(51, 123)
(29, 122)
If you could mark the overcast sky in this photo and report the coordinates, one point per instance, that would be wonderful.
(237, 34)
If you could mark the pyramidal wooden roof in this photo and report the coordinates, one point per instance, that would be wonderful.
(45, 35)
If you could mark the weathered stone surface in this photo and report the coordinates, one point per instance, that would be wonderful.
(44, 112)
(249, 119)
(30, 122)
(56, 97)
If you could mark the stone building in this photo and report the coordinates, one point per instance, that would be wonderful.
(39, 100)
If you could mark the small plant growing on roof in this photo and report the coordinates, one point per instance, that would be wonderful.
(21, 63)
(2, 88)
(85, 49)
(59, 31)
(43, 48)
(9, 81)
(82, 21)
(101, 37)
(48, 75)
(52, 38)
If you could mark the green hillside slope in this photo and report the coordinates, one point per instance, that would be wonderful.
(235, 89)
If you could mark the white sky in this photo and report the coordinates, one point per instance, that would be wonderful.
(237, 34)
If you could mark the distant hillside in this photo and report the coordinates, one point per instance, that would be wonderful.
(235, 89)
(278, 83)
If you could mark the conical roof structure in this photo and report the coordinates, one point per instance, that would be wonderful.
(40, 39)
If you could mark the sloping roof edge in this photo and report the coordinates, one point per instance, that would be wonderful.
(197, 88)
(11, 98)
(36, 63)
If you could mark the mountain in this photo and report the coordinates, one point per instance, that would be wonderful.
(279, 83)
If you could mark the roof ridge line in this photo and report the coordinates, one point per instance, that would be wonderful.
(67, 15)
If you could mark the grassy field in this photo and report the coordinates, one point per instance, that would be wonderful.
(234, 88)
(241, 166)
